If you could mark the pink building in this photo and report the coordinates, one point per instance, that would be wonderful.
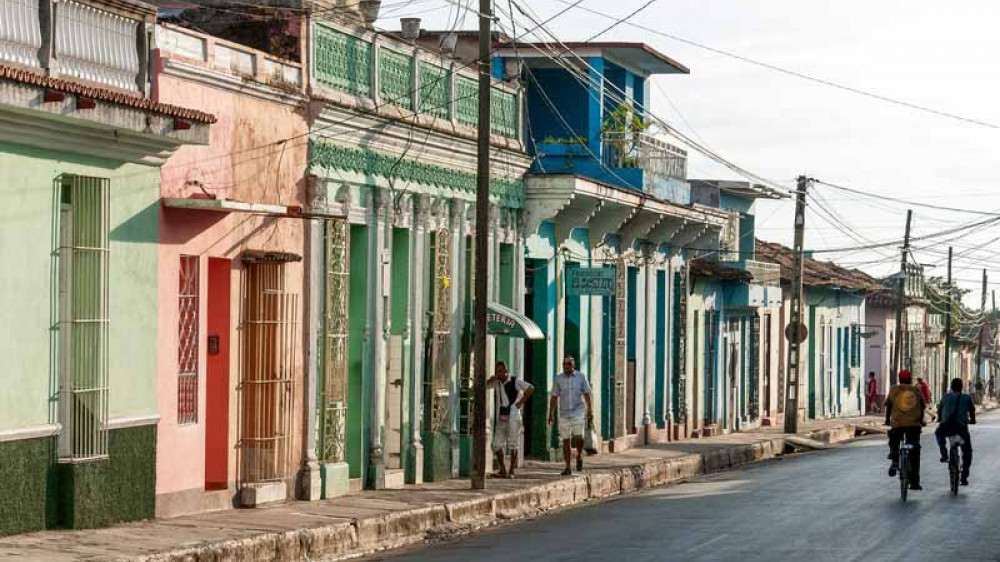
(231, 282)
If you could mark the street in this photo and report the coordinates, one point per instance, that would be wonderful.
(833, 505)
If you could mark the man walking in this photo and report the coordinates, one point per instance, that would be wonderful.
(511, 395)
(571, 392)
(871, 393)
(925, 390)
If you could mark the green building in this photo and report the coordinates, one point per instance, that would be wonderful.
(80, 147)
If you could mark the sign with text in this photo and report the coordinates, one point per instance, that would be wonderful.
(590, 281)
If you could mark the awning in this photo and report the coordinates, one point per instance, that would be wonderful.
(504, 321)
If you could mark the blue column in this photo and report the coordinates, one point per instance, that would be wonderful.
(595, 109)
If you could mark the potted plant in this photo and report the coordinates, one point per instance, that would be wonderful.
(621, 131)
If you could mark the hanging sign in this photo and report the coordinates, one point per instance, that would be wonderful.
(590, 281)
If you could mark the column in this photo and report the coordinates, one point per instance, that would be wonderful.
(417, 326)
(378, 264)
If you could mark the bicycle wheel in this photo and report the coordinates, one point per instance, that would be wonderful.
(953, 470)
(904, 474)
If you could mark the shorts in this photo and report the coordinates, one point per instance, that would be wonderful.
(507, 435)
(571, 427)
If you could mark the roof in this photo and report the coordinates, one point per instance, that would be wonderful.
(815, 273)
(715, 270)
(102, 94)
(743, 189)
(639, 56)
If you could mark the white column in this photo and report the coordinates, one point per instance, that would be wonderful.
(418, 327)
(310, 483)
(377, 267)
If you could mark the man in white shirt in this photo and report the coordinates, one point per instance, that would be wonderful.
(511, 393)
(571, 392)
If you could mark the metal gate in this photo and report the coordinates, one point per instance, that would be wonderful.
(438, 380)
(267, 377)
(84, 246)
(621, 302)
(333, 391)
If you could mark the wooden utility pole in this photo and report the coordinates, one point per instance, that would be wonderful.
(982, 330)
(947, 331)
(897, 355)
(482, 250)
(795, 331)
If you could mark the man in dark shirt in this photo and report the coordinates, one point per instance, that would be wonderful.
(956, 411)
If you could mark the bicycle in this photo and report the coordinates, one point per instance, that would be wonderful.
(904, 469)
(955, 443)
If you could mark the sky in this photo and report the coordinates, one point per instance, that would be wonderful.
(930, 53)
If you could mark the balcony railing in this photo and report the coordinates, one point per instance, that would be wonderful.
(229, 57)
(764, 273)
(645, 152)
(102, 43)
(393, 73)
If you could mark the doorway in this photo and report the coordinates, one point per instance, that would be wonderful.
(217, 375)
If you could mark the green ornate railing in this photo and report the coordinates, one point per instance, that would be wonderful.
(342, 61)
(466, 103)
(395, 75)
(435, 90)
(503, 106)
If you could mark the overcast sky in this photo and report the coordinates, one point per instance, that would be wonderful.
(943, 55)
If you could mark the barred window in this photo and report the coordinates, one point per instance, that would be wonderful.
(84, 247)
(187, 341)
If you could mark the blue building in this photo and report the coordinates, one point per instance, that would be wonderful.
(610, 230)
(735, 325)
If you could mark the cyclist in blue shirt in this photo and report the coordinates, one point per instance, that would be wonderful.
(956, 411)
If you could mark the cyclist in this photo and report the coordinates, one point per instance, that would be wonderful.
(956, 411)
(904, 412)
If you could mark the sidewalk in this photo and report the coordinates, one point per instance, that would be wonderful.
(376, 520)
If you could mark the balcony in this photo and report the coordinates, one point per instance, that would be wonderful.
(764, 273)
(402, 80)
(101, 43)
(657, 167)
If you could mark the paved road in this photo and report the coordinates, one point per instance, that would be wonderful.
(835, 505)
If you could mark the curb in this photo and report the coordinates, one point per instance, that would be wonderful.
(363, 536)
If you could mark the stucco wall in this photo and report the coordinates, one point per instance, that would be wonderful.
(27, 242)
(244, 161)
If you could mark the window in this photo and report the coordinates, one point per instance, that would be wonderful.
(83, 253)
(187, 341)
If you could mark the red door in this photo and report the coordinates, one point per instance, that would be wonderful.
(217, 383)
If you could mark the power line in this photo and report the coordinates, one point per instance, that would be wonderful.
(907, 202)
(621, 21)
(797, 74)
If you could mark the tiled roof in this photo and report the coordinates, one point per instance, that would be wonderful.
(103, 94)
(815, 273)
(709, 268)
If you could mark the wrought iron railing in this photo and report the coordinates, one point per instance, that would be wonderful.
(645, 152)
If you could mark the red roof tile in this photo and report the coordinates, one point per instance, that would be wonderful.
(815, 273)
(103, 94)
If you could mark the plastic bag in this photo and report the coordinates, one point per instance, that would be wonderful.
(591, 440)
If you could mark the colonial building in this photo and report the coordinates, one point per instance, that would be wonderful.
(830, 384)
(735, 326)
(392, 152)
(82, 142)
(232, 280)
(610, 228)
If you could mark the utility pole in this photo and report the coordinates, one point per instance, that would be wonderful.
(794, 332)
(901, 304)
(947, 331)
(982, 330)
(481, 249)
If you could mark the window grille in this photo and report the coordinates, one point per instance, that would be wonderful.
(621, 334)
(187, 341)
(84, 248)
(438, 376)
(334, 397)
(266, 389)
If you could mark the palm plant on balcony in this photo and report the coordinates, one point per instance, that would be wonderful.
(621, 130)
